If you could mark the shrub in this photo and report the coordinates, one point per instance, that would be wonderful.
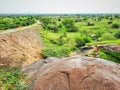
(73, 29)
(53, 41)
(109, 55)
(115, 25)
(78, 20)
(59, 19)
(81, 41)
(46, 22)
(117, 35)
(56, 52)
(99, 33)
(2, 26)
(111, 18)
(90, 24)
(107, 36)
(116, 16)
(110, 22)
(62, 39)
(67, 22)
(60, 25)
(53, 28)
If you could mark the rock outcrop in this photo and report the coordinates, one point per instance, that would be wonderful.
(20, 47)
(73, 73)
(93, 50)
(114, 48)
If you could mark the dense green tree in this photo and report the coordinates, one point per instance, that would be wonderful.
(69, 25)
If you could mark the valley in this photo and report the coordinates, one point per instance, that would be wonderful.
(60, 52)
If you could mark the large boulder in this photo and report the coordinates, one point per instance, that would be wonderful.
(73, 73)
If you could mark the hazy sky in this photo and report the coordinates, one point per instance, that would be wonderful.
(59, 6)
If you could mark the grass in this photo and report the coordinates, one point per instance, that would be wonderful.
(12, 79)
(109, 42)
(56, 52)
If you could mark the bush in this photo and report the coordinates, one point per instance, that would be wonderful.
(56, 52)
(53, 28)
(81, 41)
(90, 24)
(78, 20)
(99, 33)
(107, 36)
(109, 55)
(2, 26)
(73, 29)
(117, 35)
(46, 22)
(110, 22)
(115, 25)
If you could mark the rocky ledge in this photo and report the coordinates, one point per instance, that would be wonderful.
(73, 73)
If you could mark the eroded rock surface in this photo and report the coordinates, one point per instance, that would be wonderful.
(73, 73)
(20, 48)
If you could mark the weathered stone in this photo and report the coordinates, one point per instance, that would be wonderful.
(115, 48)
(73, 73)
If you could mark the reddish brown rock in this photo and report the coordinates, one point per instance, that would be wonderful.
(73, 73)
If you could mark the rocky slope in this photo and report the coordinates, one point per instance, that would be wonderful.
(73, 73)
(20, 47)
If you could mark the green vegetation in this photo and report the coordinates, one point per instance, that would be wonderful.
(12, 79)
(72, 32)
(108, 42)
(69, 25)
(109, 55)
(115, 25)
(107, 36)
(10, 22)
(56, 52)
(62, 35)
(81, 41)
(117, 35)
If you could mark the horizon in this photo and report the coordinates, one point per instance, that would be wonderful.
(59, 13)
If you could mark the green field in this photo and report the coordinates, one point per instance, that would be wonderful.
(71, 32)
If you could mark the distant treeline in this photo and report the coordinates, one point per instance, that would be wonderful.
(12, 21)
(9, 22)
